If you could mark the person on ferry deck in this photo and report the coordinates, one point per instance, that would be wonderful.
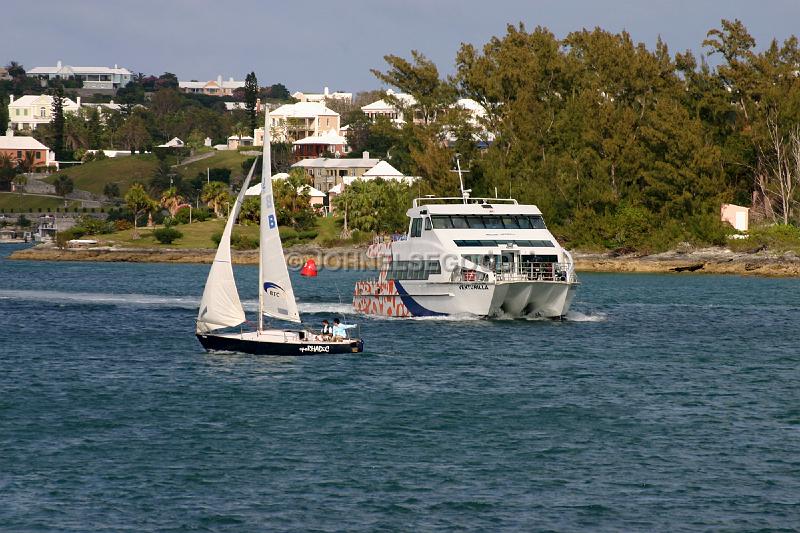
(340, 330)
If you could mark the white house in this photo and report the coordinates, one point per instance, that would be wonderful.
(316, 198)
(327, 172)
(323, 97)
(27, 112)
(291, 122)
(382, 108)
(218, 87)
(92, 77)
(316, 145)
(175, 142)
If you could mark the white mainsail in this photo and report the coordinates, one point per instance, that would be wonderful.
(276, 295)
(220, 306)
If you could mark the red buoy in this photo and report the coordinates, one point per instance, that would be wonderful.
(309, 269)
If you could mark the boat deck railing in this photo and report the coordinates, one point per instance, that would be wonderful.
(428, 200)
(525, 271)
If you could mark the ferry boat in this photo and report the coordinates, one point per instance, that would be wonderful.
(470, 256)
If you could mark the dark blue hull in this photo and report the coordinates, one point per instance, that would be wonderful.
(218, 343)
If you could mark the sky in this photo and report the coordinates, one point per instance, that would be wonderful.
(307, 45)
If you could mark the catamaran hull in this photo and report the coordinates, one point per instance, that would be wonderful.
(421, 298)
(226, 343)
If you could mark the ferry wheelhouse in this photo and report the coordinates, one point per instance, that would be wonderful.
(472, 256)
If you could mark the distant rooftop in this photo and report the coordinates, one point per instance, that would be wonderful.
(69, 70)
(303, 110)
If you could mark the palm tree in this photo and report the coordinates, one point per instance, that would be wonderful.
(216, 195)
(171, 200)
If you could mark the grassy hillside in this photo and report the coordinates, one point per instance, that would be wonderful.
(94, 176)
(195, 235)
(229, 159)
(26, 202)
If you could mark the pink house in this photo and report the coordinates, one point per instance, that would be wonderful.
(736, 215)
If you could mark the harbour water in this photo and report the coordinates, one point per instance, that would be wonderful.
(665, 403)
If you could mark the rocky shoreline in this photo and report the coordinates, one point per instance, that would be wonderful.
(700, 261)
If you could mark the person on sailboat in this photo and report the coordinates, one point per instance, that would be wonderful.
(327, 330)
(340, 330)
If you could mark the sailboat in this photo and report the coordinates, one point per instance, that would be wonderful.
(221, 308)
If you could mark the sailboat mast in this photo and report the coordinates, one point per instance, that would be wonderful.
(266, 174)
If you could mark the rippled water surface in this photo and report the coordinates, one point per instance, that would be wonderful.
(666, 403)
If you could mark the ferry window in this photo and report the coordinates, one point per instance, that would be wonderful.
(459, 222)
(442, 222)
(537, 222)
(510, 222)
(433, 267)
(492, 222)
(475, 222)
(524, 222)
(416, 227)
(416, 270)
(428, 226)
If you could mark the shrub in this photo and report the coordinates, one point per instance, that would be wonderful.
(167, 235)
(778, 238)
(201, 215)
(64, 236)
(122, 225)
(238, 241)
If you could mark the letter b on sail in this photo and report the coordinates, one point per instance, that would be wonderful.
(271, 220)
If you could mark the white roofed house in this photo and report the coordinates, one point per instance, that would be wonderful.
(395, 113)
(19, 148)
(324, 96)
(292, 122)
(103, 78)
(27, 112)
(316, 198)
(327, 172)
(317, 145)
(218, 87)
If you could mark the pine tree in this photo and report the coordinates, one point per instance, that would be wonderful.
(58, 121)
(250, 98)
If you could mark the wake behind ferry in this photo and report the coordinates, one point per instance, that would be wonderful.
(470, 256)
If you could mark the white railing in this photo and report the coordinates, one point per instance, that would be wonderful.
(564, 272)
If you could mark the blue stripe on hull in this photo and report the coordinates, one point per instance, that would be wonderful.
(413, 307)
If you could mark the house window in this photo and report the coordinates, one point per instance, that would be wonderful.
(17, 110)
(19, 154)
(38, 155)
(42, 112)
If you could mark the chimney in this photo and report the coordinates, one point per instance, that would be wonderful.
(219, 80)
(365, 155)
(230, 79)
(78, 101)
(326, 91)
(116, 66)
(10, 99)
(58, 64)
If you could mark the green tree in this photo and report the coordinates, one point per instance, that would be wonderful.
(250, 99)
(111, 190)
(421, 80)
(216, 195)
(171, 200)
(139, 202)
(58, 121)
(64, 185)
(134, 135)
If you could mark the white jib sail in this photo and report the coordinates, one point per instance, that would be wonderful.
(220, 306)
(275, 288)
